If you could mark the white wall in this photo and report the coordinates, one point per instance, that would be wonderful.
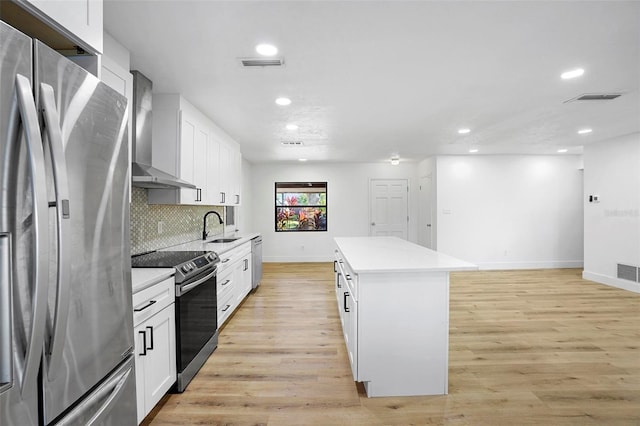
(347, 205)
(612, 226)
(511, 212)
(245, 218)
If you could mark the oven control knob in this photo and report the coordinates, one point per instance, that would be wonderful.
(185, 269)
(193, 265)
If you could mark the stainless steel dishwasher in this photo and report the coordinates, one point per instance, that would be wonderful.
(256, 254)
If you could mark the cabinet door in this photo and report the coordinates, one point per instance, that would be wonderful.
(141, 356)
(245, 287)
(200, 165)
(351, 332)
(79, 20)
(155, 350)
(214, 196)
(188, 134)
(236, 177)
(160, 372)
(225, 170)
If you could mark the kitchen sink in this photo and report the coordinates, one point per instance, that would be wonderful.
(224, 240)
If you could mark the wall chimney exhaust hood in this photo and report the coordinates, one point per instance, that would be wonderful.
(143, 174)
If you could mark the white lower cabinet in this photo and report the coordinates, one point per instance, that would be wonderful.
(155, 344)
(234, 280)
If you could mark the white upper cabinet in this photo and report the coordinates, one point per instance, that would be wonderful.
(214, 193)
(188, 145)
(79, 20)
(229, 174)
(236, 172)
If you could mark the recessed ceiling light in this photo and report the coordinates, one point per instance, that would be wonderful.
(473, 150)
(266, 49)
(464, 131)
(395, 160)
(292, 126)
(562, 150)
(567, 75)
(302, 159)
(283, 101)
(584, 131)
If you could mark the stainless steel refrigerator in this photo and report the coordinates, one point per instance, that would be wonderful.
(66, 324)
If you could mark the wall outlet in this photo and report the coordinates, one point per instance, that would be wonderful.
(160, 227)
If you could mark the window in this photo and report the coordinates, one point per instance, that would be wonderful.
(301, 206)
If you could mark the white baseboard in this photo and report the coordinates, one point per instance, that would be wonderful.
(611, 281)
(294, 259)
(550, 264)
(483, 266)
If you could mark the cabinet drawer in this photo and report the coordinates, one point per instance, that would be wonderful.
(225, 284)
(348, 277)
(225, 307)
(152, 300)
(227, 259)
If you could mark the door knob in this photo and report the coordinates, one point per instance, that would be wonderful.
(428, 225)
(373, 224)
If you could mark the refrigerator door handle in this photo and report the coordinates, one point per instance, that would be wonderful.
(63, 225)
(6, 325)
(117, 384)
(29, 116)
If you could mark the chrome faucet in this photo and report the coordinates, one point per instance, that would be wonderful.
(204, 224)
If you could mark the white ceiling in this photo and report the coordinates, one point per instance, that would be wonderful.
(371, 79)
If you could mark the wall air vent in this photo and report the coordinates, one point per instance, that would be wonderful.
(292, 143)
(628, 272)
(261, 62)
(595, 97)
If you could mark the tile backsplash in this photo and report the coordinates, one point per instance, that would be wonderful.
(179, 224)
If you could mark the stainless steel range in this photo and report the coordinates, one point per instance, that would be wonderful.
(196, 306)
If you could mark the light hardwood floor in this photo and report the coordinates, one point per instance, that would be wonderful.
(540, 347)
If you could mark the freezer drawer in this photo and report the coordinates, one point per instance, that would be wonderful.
(112, 403)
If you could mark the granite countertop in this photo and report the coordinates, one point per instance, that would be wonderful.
(392, 254)
(142, 278)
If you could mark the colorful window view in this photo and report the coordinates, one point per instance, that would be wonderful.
(301, 206)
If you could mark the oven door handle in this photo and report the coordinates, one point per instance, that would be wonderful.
(188, 287)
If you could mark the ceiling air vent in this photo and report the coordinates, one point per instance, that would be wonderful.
(261, 62)
(292, 143)
(595, 97)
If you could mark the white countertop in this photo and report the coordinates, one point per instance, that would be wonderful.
(142, 278)
(392, 254)
(219, 248)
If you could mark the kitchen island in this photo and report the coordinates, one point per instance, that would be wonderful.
(393, 299)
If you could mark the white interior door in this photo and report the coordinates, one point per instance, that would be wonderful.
(388, 207)
(425, 228)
